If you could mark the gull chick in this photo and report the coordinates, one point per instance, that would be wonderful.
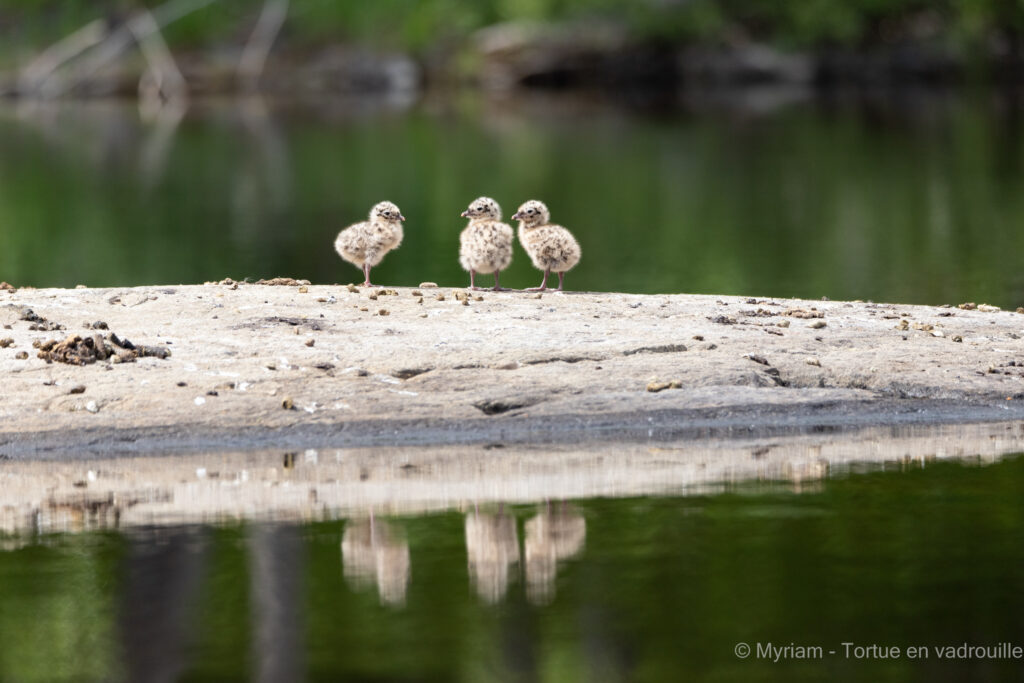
(485, 246)
(365, 244)
(551, 247)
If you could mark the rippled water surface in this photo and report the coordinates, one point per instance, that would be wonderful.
(653, 589)
(913, 199)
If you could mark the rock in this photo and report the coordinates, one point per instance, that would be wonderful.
(6, 342)
(804, 313)
(283, 282)
(968, 306)
(92, 407)
(657, 386)
(21, 355)
(80, 389)
(818, 324)
(985, 308)
(310, 342)
(288, 403)
(428, 285)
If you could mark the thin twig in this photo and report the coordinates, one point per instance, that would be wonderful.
(254, 56)
(85, 63)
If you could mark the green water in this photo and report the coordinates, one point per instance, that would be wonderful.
(914, 200)
(655, 589)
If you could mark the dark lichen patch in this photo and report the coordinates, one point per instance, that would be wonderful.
(663, 348)
(504, 405)
(409, 373)
(562, 359)
(79, 350)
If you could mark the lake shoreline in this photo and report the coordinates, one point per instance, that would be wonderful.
(317, 366)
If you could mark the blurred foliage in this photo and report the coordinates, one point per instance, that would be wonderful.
(420, 25)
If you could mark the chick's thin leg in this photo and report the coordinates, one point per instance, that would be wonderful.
(366, 275)
(497, 285)
(561, 277)
(472, 279)
(543, 283)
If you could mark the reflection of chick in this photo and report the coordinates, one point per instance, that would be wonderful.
(550, 537)
(365, 244)
(373, 553)
(485, 246)
(551, 247)
(492, 546)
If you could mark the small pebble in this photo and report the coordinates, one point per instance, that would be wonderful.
(288, 404)
(21, 355)
(80, 389)
(4, 343)
(417, 292)
(814, 361)
(428, 285)
(439, 297)
(303, 289)
(92, 407)
(373, 297)
(818, 324)
(383, 311)
(310, 342)
(352, 288)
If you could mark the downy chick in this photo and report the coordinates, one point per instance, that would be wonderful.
(550, 247)
(485, 246)
(365, 244)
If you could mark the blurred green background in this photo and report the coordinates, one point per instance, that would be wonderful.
(752, 180)
(918, 206)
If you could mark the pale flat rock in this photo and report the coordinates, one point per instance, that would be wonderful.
(254, 365)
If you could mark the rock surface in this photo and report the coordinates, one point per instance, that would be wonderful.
(315, 365)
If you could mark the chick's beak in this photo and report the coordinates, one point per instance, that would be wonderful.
(516, 216)
(465, 214)
(401, 217)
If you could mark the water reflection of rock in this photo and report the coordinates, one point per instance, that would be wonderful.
(555, 534)
(373, 552)
(492, 545)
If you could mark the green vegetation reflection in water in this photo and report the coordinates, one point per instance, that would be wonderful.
(915, 203)
(661, 589)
